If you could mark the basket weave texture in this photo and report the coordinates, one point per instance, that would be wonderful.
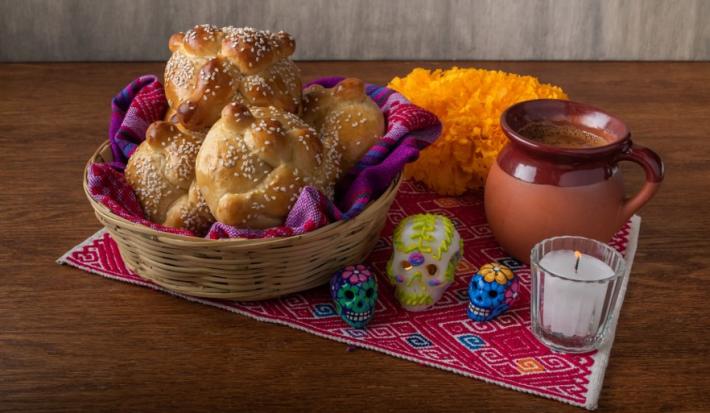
(243, 269)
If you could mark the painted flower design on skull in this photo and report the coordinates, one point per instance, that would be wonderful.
(416, 258)
(499, 273)
(511, 294)
(356, 274)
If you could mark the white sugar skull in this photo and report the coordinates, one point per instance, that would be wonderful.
(427, 249)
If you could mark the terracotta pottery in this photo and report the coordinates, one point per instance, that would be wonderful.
(536, 191)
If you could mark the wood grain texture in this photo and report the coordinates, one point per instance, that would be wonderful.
(71, 341)
(138, 30)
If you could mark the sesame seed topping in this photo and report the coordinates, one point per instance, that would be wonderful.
(179, 70)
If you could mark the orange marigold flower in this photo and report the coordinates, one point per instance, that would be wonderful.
(469, 103)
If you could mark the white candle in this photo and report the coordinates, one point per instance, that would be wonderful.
(572, 308)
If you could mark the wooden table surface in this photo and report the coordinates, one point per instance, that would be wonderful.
(70, 341)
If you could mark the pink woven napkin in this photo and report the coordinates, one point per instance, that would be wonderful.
(502, 351)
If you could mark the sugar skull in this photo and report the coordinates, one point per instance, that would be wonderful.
(354, 291)
(427, 249)
(492, 290)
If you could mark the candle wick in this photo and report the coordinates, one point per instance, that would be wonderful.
(576, 264)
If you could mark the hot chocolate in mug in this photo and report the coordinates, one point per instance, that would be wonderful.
(540, 188)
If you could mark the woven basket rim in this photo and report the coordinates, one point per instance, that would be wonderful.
(187, 240)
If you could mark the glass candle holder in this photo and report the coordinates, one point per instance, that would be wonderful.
(575, 287)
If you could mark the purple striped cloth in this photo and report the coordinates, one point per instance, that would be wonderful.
(133, 109)
(409, 130)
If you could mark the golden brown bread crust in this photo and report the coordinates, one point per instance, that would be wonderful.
(214, 89)
(278, 85)
(254, 163)
(190, 211)
(211, 67)
(162, 174)
(348, 121)
(171, 116)
(254, 50)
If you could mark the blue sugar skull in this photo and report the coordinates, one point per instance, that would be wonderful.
(491, 291)
(354, 291)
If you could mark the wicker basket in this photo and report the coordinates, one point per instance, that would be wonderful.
(243, 269)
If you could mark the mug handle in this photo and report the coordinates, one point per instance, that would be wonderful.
(654, 169)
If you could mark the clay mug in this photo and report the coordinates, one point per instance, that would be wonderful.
(536, 191)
